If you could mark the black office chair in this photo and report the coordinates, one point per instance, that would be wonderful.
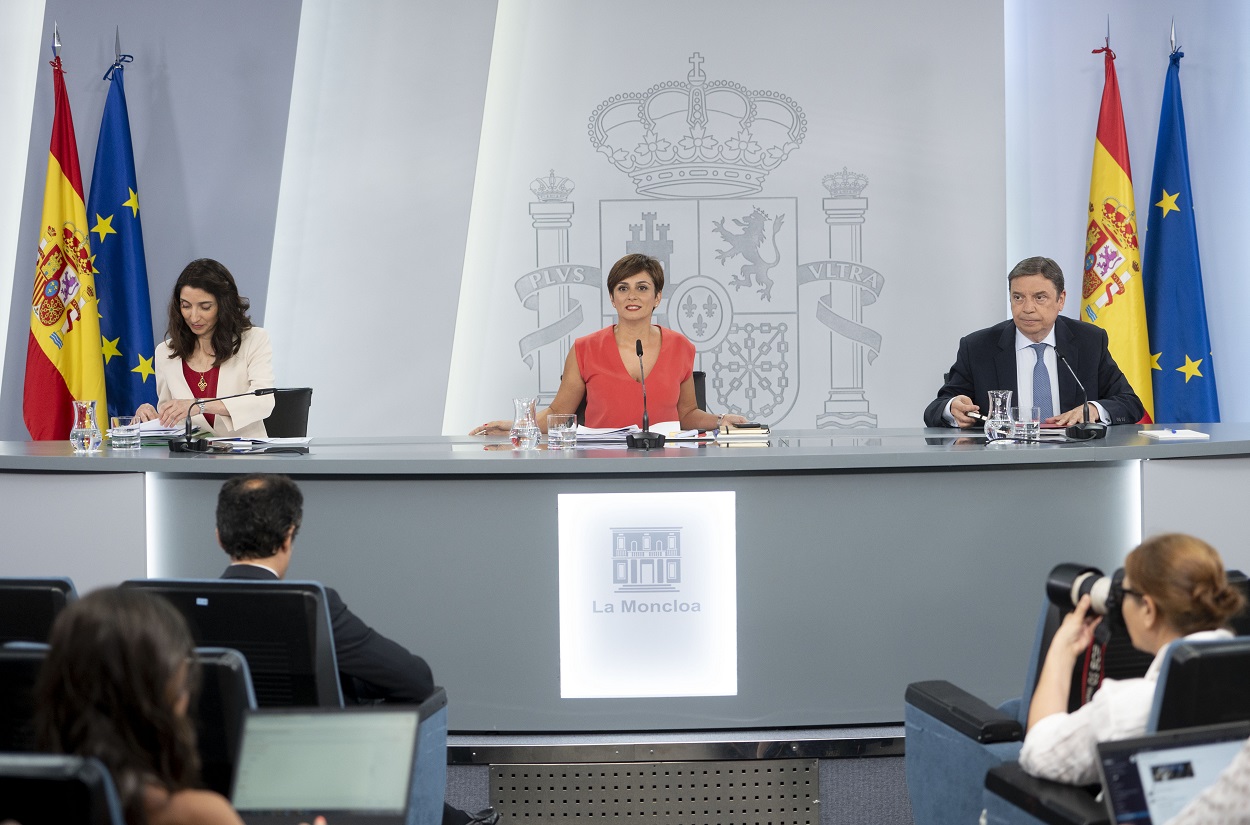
(48, 789)
(700, 396)
(226, 695)
(289, 418)
(19, 671)
(28, 607)
(281, 627)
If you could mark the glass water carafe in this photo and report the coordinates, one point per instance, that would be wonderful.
(524, 431)
(85, 435)
(998, 417)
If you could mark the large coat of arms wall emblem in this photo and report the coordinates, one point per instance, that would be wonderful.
(699, 154)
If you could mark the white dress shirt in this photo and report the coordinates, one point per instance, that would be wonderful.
(1063, 746)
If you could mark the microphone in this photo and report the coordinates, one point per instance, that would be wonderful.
(646, 439)
(1087, 429)
(188, 444)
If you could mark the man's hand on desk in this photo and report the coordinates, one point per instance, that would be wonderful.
(1076, 415)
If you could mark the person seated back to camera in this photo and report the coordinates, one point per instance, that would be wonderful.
(1174, 587)
(116, 685)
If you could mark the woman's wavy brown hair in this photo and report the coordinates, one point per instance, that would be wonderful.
(232, 318)
(1185, 577)
(108, 689)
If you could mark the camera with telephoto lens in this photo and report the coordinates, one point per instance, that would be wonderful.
(1067, 583)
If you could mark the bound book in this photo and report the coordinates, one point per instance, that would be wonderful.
(743, 434)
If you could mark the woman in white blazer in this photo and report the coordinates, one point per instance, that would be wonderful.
(211, 349)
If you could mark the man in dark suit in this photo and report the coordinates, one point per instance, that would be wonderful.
(258, 517)
(1024, 355)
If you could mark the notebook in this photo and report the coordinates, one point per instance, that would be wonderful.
(354, 766)
(1147, 780)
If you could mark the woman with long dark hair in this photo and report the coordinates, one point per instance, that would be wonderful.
(211, 349)
(116, 685)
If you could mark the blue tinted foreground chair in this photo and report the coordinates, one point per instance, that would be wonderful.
(430, 782)
(1200, 683)
(43, 789)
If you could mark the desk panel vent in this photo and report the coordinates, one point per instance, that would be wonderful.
(772, 792)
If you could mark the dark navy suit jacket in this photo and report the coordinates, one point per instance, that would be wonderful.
(987, 361)
(371, 665)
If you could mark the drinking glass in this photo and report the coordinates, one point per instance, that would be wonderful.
(1026, 423)
(124, 432)
(561, 431)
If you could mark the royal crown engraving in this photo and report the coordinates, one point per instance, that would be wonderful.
(552, 189)
(698, 138)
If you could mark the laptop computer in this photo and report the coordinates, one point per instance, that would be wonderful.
(355, 766)
(1147, 780)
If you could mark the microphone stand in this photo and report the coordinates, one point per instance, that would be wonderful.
(189, 445)
(646, 439)
(1086, 430)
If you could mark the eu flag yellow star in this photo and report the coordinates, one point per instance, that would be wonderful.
(109, 347)
(1190, 369)
(133, 203)
(1154, 361)
(103, 226)
(1169, 203)
(145, 368)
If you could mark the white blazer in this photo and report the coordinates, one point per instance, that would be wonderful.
(251, 368)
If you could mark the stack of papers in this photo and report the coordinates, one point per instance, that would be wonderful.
(154, 429)
(1175, 435)
(261, 445)
(605, 435)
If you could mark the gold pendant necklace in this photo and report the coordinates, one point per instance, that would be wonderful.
(203, 385)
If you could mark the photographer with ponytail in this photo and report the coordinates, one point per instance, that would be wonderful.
(1174, 588)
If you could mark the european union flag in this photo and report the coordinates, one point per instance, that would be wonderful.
(1180, 348)
(122, 274)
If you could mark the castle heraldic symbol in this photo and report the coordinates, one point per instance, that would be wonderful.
(646, 560)
(700, 153)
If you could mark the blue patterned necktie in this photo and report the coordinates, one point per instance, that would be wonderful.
(1041, 383)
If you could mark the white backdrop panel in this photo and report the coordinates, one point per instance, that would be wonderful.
(881, 93)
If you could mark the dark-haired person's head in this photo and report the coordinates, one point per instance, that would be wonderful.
(206, 303)
(257, 513)
(635, 264)
(1174, 585)
(1035, 287)
(116, 685)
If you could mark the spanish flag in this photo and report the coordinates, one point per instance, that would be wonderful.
(1112, 295)
(63, 356)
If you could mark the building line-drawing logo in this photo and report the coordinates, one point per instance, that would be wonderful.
(646, 560)
(699, 153)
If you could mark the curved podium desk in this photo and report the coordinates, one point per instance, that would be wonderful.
(865, 560)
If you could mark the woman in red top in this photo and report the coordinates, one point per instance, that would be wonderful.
(603, 366)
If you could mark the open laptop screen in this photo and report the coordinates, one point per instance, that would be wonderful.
(1149, 779)
(322, 761)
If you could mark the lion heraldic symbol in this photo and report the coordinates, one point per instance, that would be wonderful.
(748, 244)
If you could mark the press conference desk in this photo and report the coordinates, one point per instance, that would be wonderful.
(864, 561)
